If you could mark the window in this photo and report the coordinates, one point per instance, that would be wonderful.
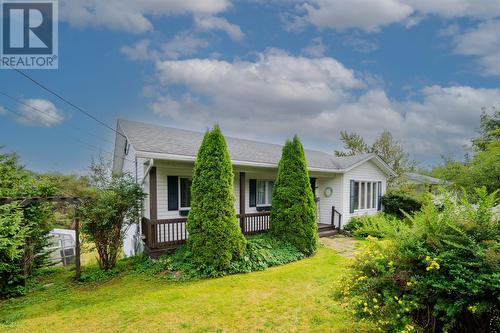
(185, 192)
(264, 192)
(365, 195)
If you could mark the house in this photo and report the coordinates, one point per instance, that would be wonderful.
(422, 183)
(162, 160)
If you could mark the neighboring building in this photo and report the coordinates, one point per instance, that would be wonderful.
(161, 159)
(422, 183)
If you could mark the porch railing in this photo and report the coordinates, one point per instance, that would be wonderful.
(336, 218)
(170, 233)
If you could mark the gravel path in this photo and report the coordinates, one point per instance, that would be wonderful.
(345, 246)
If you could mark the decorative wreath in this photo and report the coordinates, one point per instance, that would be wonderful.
(328, 192)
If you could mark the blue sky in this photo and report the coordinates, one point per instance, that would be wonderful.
(262, 70)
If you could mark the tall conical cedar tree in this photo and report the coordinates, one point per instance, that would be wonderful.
(293, 216)
(215, 238)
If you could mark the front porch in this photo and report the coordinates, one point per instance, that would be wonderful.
(165, 234)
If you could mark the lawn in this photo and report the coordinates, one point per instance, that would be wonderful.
(293, 297)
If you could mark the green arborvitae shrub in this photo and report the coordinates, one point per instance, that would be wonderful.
(215, 237)
(293, 213)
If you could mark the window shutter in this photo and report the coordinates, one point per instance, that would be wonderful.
(352, 197)
(253, 192)
(173, 192)
(313, 185)
(379, 199)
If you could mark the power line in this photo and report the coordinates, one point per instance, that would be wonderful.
(65, 100)
(51, 116)
(78, 141)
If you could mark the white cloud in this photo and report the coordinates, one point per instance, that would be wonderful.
(138, 51)
(372, 15)
(482, 42)
(316, 49)
(209, 22)
(457, 8)
(183, 44)
(2, 110)
(278, 95)
(39, 112)
(368, 15)
(360, 44)
(132, 15)
(276, 80)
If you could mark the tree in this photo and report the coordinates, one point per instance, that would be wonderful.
(23, 232)
(386, 147)
(489, 129)
(215, 238)
(482, 168)
(115, 204)
(293, 214)
(354, 144)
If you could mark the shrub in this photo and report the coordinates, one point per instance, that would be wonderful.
(265, 251)
(261, 252)
(23, 232)
(379, 225)
(293, 213)
(12, 236)
(441, 273)
(397, 203)
(215, 238)
(105, 217)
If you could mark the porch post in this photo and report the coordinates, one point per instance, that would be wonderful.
(153, 209)
(242, 201)
(153, 201)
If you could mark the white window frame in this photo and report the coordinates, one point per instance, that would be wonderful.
(179, 192)
(370, 204)
(267, 199)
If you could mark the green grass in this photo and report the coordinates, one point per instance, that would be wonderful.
(293, 297)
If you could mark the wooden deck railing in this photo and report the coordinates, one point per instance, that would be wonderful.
(336, 217)
(170, 233)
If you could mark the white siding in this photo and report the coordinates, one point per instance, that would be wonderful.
(130, 240)
(259, 175)
(325, 204)
(162, 172)
(368, 171)
(129, 165)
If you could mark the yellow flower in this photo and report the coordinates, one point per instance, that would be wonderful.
(472, 308)
(433, 265)
(409, 283)
(375, 300)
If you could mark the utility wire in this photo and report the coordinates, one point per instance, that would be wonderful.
(78, 141)
(65, 100)
(52, 116)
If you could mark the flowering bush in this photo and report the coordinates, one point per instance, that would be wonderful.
(377, 225)
(441, 273)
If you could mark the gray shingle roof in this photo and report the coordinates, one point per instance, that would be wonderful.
(422, 179)
(166, 140)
